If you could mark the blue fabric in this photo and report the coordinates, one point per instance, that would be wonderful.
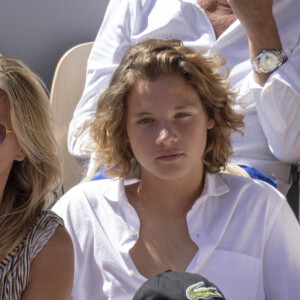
(256, 174)
(99, 175)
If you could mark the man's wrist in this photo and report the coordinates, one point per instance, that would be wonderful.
(268, 61)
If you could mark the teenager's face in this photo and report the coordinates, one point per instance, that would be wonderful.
(9, 149)
(167, 128)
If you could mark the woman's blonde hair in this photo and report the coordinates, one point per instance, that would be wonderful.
(30, 184)
(150, 60)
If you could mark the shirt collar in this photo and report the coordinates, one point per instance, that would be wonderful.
(213, 186)
(115, 190)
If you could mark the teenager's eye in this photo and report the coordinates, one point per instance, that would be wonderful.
(145, 121)
(182, 115)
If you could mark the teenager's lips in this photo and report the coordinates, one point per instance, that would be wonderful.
(169, 156)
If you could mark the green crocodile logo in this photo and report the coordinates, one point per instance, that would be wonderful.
(198, 292)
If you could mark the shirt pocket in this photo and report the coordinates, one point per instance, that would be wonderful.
(237, 275)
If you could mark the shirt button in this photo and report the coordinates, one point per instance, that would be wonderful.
(131, 273)
(267, 91)
(132, 233)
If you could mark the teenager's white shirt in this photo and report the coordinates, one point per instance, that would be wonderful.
(271, 138)
(247, 235)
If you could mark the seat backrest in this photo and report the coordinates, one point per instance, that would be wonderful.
(293, 196)
(66, 90)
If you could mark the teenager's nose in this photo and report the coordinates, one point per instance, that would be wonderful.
(166, 135)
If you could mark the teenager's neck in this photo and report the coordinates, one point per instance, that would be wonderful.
(172, 198)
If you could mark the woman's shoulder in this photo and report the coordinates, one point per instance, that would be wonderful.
(39, 235)
(46, 237)
(48, 219)
(51, 271)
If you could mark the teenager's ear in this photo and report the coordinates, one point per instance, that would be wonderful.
(210, 123)
(20, 156)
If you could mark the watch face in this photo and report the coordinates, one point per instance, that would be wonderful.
(268, 62)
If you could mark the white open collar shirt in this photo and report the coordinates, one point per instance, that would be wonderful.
(271, 138)
(247, 235)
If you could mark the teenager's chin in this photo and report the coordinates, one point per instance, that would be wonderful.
(170, 175)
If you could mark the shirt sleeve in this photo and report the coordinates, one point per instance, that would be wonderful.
(279, 110)
(281, 257)
(112, 41)
(278, 107)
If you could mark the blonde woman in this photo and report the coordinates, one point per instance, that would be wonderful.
(168, 111)
(36, 252)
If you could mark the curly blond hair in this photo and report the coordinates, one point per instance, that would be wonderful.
(30, 184)
(150, 60)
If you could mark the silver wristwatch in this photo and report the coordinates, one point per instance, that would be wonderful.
(268, 61)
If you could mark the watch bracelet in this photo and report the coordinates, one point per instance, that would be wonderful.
(280, 53)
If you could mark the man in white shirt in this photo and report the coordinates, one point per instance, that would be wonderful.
(241, 32)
